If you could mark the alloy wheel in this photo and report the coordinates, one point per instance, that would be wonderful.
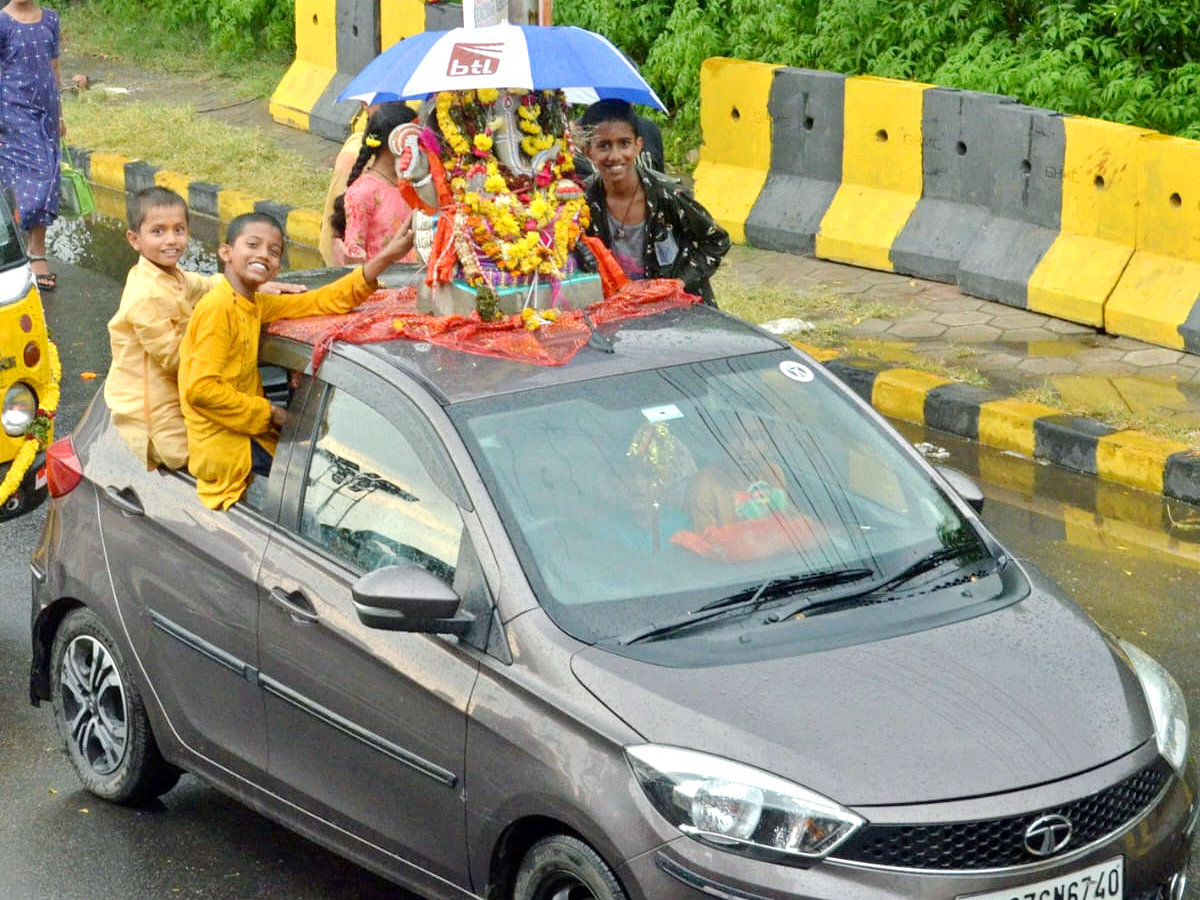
(93, 699)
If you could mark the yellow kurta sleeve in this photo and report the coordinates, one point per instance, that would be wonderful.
(339, 296)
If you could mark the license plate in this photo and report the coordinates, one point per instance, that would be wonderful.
(1105, 881)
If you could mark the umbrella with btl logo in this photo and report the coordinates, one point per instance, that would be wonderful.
(501, 56)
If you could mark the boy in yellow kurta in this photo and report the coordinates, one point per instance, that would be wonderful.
(145, 333)
(219, 386)
(146, 330)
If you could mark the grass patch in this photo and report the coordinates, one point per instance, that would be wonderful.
(176, 138)
(173, 49)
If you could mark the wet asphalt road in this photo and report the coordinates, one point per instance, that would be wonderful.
(58, 842)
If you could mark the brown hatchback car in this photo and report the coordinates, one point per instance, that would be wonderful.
(680, 619)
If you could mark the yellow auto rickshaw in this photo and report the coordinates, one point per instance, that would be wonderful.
(29, 375)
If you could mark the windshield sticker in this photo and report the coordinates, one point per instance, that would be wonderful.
(662, 413)
(797, 371)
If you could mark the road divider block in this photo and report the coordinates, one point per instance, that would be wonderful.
(1081, 268)
(1155, 299)
(1025, 204)
(956, 135)
(736, 152)
(335, 39)
(881, 172)
(806, 160)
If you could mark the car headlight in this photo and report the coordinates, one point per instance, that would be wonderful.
(739, 808)
(1167, 705)
(20, 406)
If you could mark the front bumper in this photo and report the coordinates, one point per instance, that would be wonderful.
(1155, 846)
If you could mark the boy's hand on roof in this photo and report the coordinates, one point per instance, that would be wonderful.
(282, 287)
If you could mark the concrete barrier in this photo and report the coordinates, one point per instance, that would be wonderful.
(1099, 221)
(881, 172)
(736, 152)
(806, 160)
(335, 39)
(956, 134)
(1025, 204)
(1156, 297)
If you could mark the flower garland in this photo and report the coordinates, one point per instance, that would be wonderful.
(40, 429)
(522, 226)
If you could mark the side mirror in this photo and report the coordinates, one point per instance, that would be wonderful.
(408, 598)
(964, 486)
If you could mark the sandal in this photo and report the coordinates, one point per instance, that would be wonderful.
(46, 281)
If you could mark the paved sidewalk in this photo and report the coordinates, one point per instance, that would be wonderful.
(1015, 351)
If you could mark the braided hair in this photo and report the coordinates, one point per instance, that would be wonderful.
(385, 118)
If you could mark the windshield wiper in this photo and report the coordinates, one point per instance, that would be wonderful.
(926, 563)
(751, 598)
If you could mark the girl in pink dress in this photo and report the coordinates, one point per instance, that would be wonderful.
(374, 205)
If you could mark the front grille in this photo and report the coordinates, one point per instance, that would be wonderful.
(1000, 843)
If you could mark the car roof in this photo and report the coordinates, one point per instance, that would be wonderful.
(675, 337)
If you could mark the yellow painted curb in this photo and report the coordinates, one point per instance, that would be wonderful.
(108, 170)
(173, 181)
(1135, 458)
(1008, 424)
(304, 227)
(901, 393)
(231, 204)
(820, 354)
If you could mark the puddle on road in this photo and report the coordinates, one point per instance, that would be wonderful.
(97, 242)
(1054, 504)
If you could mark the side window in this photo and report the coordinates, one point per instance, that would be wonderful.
(369, 500)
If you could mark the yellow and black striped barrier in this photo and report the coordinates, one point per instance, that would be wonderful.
(1077, 218)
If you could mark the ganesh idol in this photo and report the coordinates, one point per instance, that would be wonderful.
(500, 221)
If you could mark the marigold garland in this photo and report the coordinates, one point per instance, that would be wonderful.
(524, 226)
(40, 430)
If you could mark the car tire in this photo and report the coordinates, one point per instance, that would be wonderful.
(565, 868)
(101, 717)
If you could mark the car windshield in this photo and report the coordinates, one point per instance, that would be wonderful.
(636, 500)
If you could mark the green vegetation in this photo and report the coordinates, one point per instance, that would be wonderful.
(239, 35)
(1128, 61)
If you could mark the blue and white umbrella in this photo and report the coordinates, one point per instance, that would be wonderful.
(535, 57)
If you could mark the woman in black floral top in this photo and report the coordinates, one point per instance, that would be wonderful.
(652, 228)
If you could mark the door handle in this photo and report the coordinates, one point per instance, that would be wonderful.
(125, 499)
(295, 604)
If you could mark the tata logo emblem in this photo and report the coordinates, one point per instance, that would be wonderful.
(7, 362)
(1048, 835)
(474, 59)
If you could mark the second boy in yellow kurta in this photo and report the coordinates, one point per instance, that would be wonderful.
(144, 335)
